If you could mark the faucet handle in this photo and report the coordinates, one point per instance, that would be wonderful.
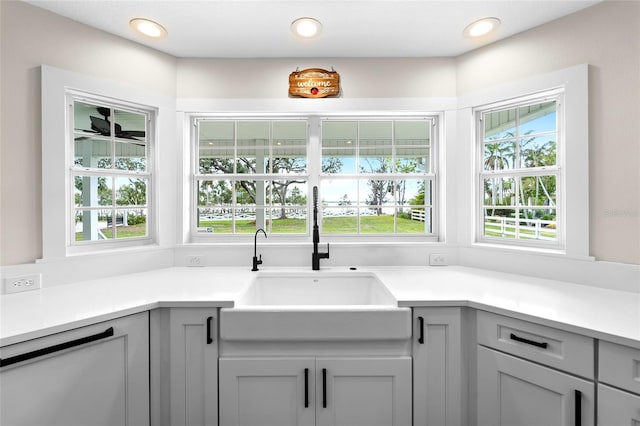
(256, 262)
(325, 255)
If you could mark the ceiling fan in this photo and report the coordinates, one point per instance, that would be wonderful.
(103, 126)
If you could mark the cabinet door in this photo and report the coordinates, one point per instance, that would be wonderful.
(617, 408)
(194, 369)
(437, 366)
(363, 391)
(267, 391)
(514, 392)
(98, 376)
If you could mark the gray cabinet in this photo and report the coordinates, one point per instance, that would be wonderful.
(619, 367)
(515, 392)
(519, 382)
(267, 391)
(437, 367)
(190, 384)
(90, 376)
(321, 391)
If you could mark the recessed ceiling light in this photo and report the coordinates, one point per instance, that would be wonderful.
(148, 27)
(306, 27)
(481, 27)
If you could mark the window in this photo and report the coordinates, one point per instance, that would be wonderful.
(110, 171)
(251, 174)
(376, 176)
(520, 173)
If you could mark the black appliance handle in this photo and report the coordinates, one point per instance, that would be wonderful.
(55, 348)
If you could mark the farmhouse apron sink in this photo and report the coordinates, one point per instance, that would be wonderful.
(315, 305)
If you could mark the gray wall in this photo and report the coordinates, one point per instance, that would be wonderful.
(30, 37)
(607, 36)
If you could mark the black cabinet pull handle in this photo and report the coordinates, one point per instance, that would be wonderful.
(421, 326)
(578, 408)
(543, 345)
(209, 338)
(324, 388)
(55, 348)
(306, 388)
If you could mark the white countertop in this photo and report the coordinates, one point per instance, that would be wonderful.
(596, 312)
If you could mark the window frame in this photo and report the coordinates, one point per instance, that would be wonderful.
(73, 96)
(432, 176)
(150, 114)
(195, 175)
(314, 160)
(557, 170)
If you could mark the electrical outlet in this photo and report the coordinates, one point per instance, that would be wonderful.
(22, 283)
(438, 259)
(195, 260)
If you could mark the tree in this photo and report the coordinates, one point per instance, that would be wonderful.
(400, 186)
(344, 201)
(498, 156)
(379, 189)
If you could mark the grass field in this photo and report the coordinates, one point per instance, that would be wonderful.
(139, 230)
(330, 225)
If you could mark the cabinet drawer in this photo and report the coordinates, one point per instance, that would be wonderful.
(556, 348)
(620, 366)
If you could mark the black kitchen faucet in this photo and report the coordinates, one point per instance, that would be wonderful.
(316, 256)
(257, 261)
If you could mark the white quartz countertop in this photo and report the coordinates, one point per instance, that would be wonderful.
(596, 312)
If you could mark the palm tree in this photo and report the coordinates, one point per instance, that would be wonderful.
(498, 156)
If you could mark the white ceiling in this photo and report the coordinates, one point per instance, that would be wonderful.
(351, 28)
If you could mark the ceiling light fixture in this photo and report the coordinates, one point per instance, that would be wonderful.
(306, 27)
(148, 27)
(481, 27)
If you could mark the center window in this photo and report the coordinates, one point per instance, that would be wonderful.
(375, 176)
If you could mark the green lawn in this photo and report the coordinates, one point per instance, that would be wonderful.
(139, 230)
(330, 225)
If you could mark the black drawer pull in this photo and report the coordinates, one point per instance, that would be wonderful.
(55, 348)
(209, 338)
(578, 408)
(543, 345)
(421, 326)
(324, 388)
(306, 388)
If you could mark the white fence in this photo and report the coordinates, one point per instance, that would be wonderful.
(535, 229)
(417, 215)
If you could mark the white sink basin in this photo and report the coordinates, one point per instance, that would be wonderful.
(315, 305)
(330, 288)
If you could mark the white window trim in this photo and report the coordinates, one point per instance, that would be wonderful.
(56, 162)
(95, 245)
(574, 152)
(556, 95)
(313, 175)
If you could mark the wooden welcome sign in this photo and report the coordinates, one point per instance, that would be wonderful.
(314, 83)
